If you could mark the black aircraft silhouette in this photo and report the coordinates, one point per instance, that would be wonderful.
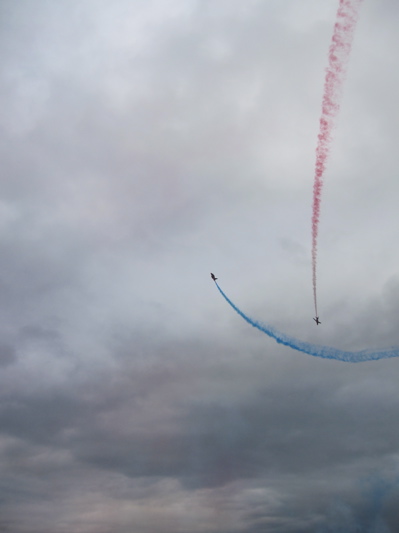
(317, 320)
(213, 277)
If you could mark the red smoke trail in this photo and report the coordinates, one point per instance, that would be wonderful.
(340, 48)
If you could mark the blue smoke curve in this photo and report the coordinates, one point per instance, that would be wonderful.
(326, 352)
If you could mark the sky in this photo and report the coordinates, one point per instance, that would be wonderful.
(145, 144)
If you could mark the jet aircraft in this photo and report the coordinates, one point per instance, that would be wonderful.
(213, 277)
(317, 320)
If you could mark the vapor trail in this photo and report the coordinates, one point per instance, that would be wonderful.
(326, 352)
(338, 55)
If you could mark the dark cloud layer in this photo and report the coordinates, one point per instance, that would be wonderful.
(144, 144)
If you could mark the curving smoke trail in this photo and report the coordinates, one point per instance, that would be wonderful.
(326, 352)
(340, 47)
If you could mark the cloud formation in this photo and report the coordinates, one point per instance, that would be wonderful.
(144, 145)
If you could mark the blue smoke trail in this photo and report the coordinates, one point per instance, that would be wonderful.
(326, 352)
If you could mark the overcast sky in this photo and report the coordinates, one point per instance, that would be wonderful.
(144, 144)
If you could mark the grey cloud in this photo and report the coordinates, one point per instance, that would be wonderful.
(7, 355)
(143, 146)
